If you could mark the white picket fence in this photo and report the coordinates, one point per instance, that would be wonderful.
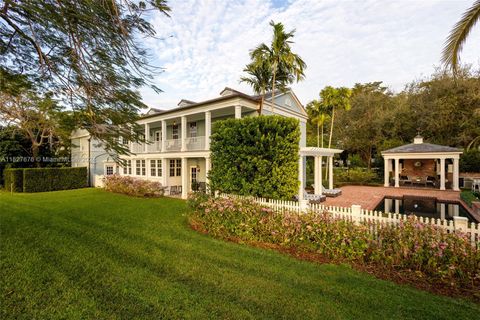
(375, 219)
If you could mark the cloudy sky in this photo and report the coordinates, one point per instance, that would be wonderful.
(205, 44)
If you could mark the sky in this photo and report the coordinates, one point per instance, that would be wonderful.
(205, 45)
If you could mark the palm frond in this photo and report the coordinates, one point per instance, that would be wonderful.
(458, 36)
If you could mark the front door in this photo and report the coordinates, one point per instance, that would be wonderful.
(193, 178)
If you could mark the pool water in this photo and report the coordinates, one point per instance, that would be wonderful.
(424, 207)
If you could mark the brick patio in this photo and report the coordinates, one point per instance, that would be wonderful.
(370, 197)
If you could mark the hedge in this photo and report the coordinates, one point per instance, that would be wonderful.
(46, 179)
(256, 156)
(13, 179)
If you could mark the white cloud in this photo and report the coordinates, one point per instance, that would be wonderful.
(206, 43)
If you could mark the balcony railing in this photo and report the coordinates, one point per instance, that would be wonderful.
(173, 145)
(155, 146)
(137, 147)
(196, 143)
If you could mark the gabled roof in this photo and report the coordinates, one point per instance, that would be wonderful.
(185, 102)
(422, 148)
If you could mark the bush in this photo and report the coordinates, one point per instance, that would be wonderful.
(469, 196)
(412, 246)
(133, 186)
(356, 175)
(13, 179)
(256, 156)
(45, 179)
(470, 161)
(51, 179)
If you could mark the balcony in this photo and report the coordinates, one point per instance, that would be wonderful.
(173, 144)
(155, 146)
(136, 147)
(196, 143)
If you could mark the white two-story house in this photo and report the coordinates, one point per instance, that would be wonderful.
(178, 150)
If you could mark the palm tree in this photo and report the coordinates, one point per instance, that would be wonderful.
(260, 77)
(280, 59)
(318, 116)
(335, 98)
(458, 36)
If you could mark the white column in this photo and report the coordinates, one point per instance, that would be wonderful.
(184, 178)
(300, 178)
(386, 172)
(397, 173)
(442, 211)
(455, 174)
(208, 129)
(316, 184)
(388, 205)
(207, 169)
(164, 172)
(184, 133)
(442, 174)
(238, 112)
(330, 172)
(147, 137)
(164, 135)
(397, 206)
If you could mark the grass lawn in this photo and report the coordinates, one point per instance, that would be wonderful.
(90, 254)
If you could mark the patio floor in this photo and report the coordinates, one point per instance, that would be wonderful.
(370, 197)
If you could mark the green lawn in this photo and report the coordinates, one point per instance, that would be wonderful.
(90, 254)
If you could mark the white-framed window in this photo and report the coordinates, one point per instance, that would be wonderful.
(175, 131)
(193, 174)
(109, 170)
(156, 168)
(127, 169)
(140, 169)
(123, 140)
(193, 129)
(175, 167)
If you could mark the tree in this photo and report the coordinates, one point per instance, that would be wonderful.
(286, 66)
(88, 52)
(318, 116)
(260, 77)
(335, 98)
(458, 36)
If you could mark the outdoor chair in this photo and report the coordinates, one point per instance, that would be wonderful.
(405, 179)
(331, 192)
(173, 190)
(430, 181)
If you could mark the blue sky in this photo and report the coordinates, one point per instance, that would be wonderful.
(206, 43)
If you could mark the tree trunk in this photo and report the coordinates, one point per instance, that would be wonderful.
(35, 152)
(273, 90)
(322, 135)
(331, 129)
(318, 134)
(261, 103)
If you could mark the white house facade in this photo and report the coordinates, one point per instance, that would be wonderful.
(177, 152)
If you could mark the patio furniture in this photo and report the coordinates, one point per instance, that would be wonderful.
(476, 185)
(419, 180)
(405, 179)
(314, 198)
(331, 192)
(431, 181)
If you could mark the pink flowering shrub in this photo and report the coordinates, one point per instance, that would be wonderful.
(133, 186)
(410, 247)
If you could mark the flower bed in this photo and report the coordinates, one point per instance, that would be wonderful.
(132, 186)
(421, 250)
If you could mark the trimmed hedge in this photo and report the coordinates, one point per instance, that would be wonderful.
(46, 179)
(256, 156)
(13, 179)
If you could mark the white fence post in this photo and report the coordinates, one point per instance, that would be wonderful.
(460, 223)
(303, 205)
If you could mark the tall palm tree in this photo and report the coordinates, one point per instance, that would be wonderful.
(280, 58)
(260, 77)
(458, 36)
(318, 116)
(335, 98)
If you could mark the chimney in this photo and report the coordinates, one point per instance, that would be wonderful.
(418, 139)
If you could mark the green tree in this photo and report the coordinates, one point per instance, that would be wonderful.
(259, 78)
(286, 66)
(318, 115)
(335, 99)
(89, 53)
(458, 36)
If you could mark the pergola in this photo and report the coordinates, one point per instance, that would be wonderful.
(423, 159)
(317, 154)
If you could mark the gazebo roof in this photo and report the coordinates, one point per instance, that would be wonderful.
(318, 152)
(418, 146)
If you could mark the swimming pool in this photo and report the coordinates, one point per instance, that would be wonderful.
(424, 207)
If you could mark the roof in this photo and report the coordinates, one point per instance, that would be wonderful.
(185, 102)
(422, 148)
(318, 152)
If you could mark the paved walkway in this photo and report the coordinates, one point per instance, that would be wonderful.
(370, 197)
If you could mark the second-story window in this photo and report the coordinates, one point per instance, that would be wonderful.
(193, 129)
(175, 131)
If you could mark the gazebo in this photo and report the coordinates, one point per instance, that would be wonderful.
(423, 164)
(317, 154)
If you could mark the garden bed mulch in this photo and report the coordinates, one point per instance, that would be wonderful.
(410, 278)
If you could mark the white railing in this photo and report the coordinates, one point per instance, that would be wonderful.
(155, 146)
(375, 218)
(136, 147)
(173, 144)
(196, 143)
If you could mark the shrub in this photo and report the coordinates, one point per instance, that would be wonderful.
(412, 246)
(470, 161)
(13, 179)
(256, 156)
(469, 196)
(51, 179)
(133, 186)
(356, 175)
